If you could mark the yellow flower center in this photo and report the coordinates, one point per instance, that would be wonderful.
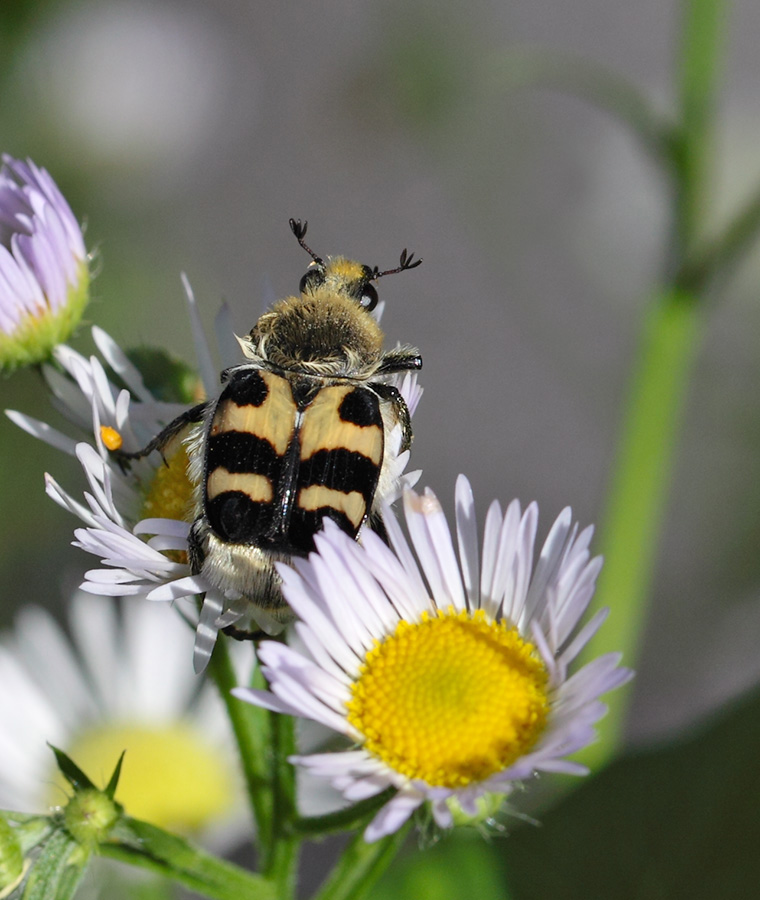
(170, 493)
(452, 699)
(171, 776)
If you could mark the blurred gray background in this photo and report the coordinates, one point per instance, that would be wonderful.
(185, 133)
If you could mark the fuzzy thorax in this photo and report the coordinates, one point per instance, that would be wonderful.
(322, 332)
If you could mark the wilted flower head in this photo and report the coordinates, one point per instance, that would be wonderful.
(449, 675)
(44, 278)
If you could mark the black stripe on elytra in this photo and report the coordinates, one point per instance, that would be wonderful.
(246, 389)
(304, 524)
(234, 517)
(361, 407)
(341, 470)
(240, 451)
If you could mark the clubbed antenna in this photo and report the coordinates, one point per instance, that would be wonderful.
(299, 230)
(404, 263)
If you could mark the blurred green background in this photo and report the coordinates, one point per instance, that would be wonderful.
(186, 133)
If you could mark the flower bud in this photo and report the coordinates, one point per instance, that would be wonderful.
(44, 279)
(89, 816)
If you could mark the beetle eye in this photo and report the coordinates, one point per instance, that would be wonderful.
(313, 278)
(369, 297)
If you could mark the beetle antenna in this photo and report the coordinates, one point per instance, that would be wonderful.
(299, 230)
(407, 261)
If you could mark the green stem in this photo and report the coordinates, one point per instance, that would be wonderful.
(641, 479)
(144, 845)
(639, 489)
(720, 255)
(280, 856)
(699, 64)
(361, 865)
(251, 727)
(343, 819)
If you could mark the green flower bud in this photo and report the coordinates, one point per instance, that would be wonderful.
(89, 816)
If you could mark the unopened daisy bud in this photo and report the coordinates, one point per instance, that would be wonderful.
(44, 280)
(89, 816)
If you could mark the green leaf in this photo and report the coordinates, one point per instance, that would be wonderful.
(71, 771)
(681, 821)
(460, 866)
(57, 870)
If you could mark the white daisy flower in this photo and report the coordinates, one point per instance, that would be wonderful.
(119, 684)
(137, 521)
(449, 675)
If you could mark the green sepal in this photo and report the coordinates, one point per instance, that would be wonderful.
(113, 782)
(72, 773)
(33, 340)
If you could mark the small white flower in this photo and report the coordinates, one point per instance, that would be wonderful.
(449, 675)
(119, 684)
(44, 278)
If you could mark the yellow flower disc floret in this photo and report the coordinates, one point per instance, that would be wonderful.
(170, 493)
(452, 699)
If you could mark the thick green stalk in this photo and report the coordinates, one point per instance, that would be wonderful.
(640, 485)
(641, 480)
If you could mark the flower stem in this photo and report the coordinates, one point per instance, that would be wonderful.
(639, 488)
(361, 865)
(280, 856)
(699, 64)
(251, 727)
(641, 480)
(343, 819)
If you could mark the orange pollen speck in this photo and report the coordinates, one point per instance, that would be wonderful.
(452, 699)
(110, 437)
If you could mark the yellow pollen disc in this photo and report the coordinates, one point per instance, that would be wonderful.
(110, 437)
(171, 776)
(170, 494)
(452, 699)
